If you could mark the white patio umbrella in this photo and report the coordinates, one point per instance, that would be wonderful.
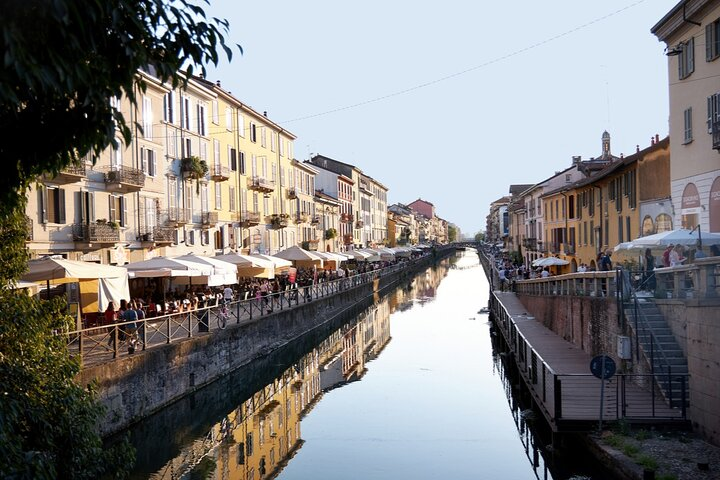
(223, 273)
(250, 265)
(549, 262)
(277, 262)
(165, 267)
(300, 257)
(680, 236)
(358, 254)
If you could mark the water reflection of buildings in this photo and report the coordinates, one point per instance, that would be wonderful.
(423, 287)
(258, 438)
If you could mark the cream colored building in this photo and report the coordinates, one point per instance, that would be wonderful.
(691, 31)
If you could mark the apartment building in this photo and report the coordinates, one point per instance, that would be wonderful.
(691, 31)
(301, 197)
(106, 209)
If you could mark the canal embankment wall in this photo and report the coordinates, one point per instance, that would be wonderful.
(134, 387)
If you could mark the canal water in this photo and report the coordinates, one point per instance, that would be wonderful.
(410, 388)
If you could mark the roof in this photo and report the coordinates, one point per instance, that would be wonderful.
(517, 189)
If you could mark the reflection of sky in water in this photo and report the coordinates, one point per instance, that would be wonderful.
(429, 407)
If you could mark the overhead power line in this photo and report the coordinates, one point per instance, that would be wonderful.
(468, 70)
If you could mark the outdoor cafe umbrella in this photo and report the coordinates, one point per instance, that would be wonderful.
(223, 273)
(358, 254)
(249, 266)
(166, 267)
(549, 262)
(300, 257)
(679, 236)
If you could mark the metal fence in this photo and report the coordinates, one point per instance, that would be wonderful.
(102, 343)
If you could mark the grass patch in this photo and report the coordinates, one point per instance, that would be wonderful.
(648, 462)
(614, 441)
(642, 435)
(630, 450)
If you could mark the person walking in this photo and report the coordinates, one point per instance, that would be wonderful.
(649, 272)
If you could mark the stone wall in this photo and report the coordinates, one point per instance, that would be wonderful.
(696, 325)
(588, 322)
(136, 386)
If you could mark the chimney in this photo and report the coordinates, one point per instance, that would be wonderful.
(217, 82)
(652, 141)
(657, 138)
(576, 159)
(637, 148)
(265, 113)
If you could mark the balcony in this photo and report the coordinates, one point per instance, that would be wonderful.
(209, 219)
(348, 239)
(176, 217)
(569, 249)
(346, 218)
(260, 184)
(292, 193)
(98, 232)
(301, 217)
(69, 174)
(359, 224)
(248, 218)
(124, 179)
(219, 173)
(311, 245)
(279, 221)
(530, 243)
(716, 135)
(157, 235)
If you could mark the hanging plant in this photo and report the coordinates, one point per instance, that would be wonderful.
(330, 233)
(194, 168)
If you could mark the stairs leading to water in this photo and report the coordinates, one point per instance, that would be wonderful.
(661, 349)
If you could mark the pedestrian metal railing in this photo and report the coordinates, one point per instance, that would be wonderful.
(102, 343)
(573, 397)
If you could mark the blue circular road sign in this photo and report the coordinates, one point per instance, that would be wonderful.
(602, 367)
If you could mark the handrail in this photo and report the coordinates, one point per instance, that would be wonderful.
(163, 329)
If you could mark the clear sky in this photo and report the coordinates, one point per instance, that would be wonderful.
(452, 101)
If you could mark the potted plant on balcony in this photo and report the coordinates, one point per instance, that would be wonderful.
(330, 233)
(194, 168)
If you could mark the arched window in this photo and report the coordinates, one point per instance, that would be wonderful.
(663, 223)
(648, 227)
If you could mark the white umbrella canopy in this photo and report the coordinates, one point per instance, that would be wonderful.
(244, 261)
(549, 262)
(277, 262)
(166, 267)
(295, 253)
(680, 236)
(222, 273)
(53, 268)
(358, 254)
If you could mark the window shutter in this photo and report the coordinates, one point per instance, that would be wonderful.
(242, 163)
(61, 205)
(709, 41)
(82, 202)
(124, 213)
(91, 209)
(111, 207)
(152, 166)
(42, 204)
(710, 104)
(691, 56)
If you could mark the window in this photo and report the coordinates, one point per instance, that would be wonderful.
(204, 203)
(216, 154)
(686, 59)
(242, 162)
(218, 196)
(232, 154)
(186, 147)
(232, 199)
(147, 117)
(52, 205)
(185, 115)
(281, 146)
(712, 40)
(628, 233)
(215, 112)
(203, 150)
(273, 140)
(228, 119)
(147, 161)
(713, 114)
(648, 227)
(241, 125)
(263, 137)
(663, 223)
(687, 115)
(168, 107)
(253, 132)
(118, 210)
(201, 119)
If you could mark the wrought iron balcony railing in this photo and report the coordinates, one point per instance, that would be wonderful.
(69, 174)
(292, 193)
(219, 173)
(209, 219)
(176, 216)
(124, 179)
(96, 233)
(260, 184)
(248, 218)
(716, 135)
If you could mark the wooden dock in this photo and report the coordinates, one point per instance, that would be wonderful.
(558, 376)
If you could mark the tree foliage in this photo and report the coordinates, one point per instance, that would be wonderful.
(452, 233)
(63, 62)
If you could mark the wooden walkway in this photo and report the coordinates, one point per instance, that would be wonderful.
(558, 375)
